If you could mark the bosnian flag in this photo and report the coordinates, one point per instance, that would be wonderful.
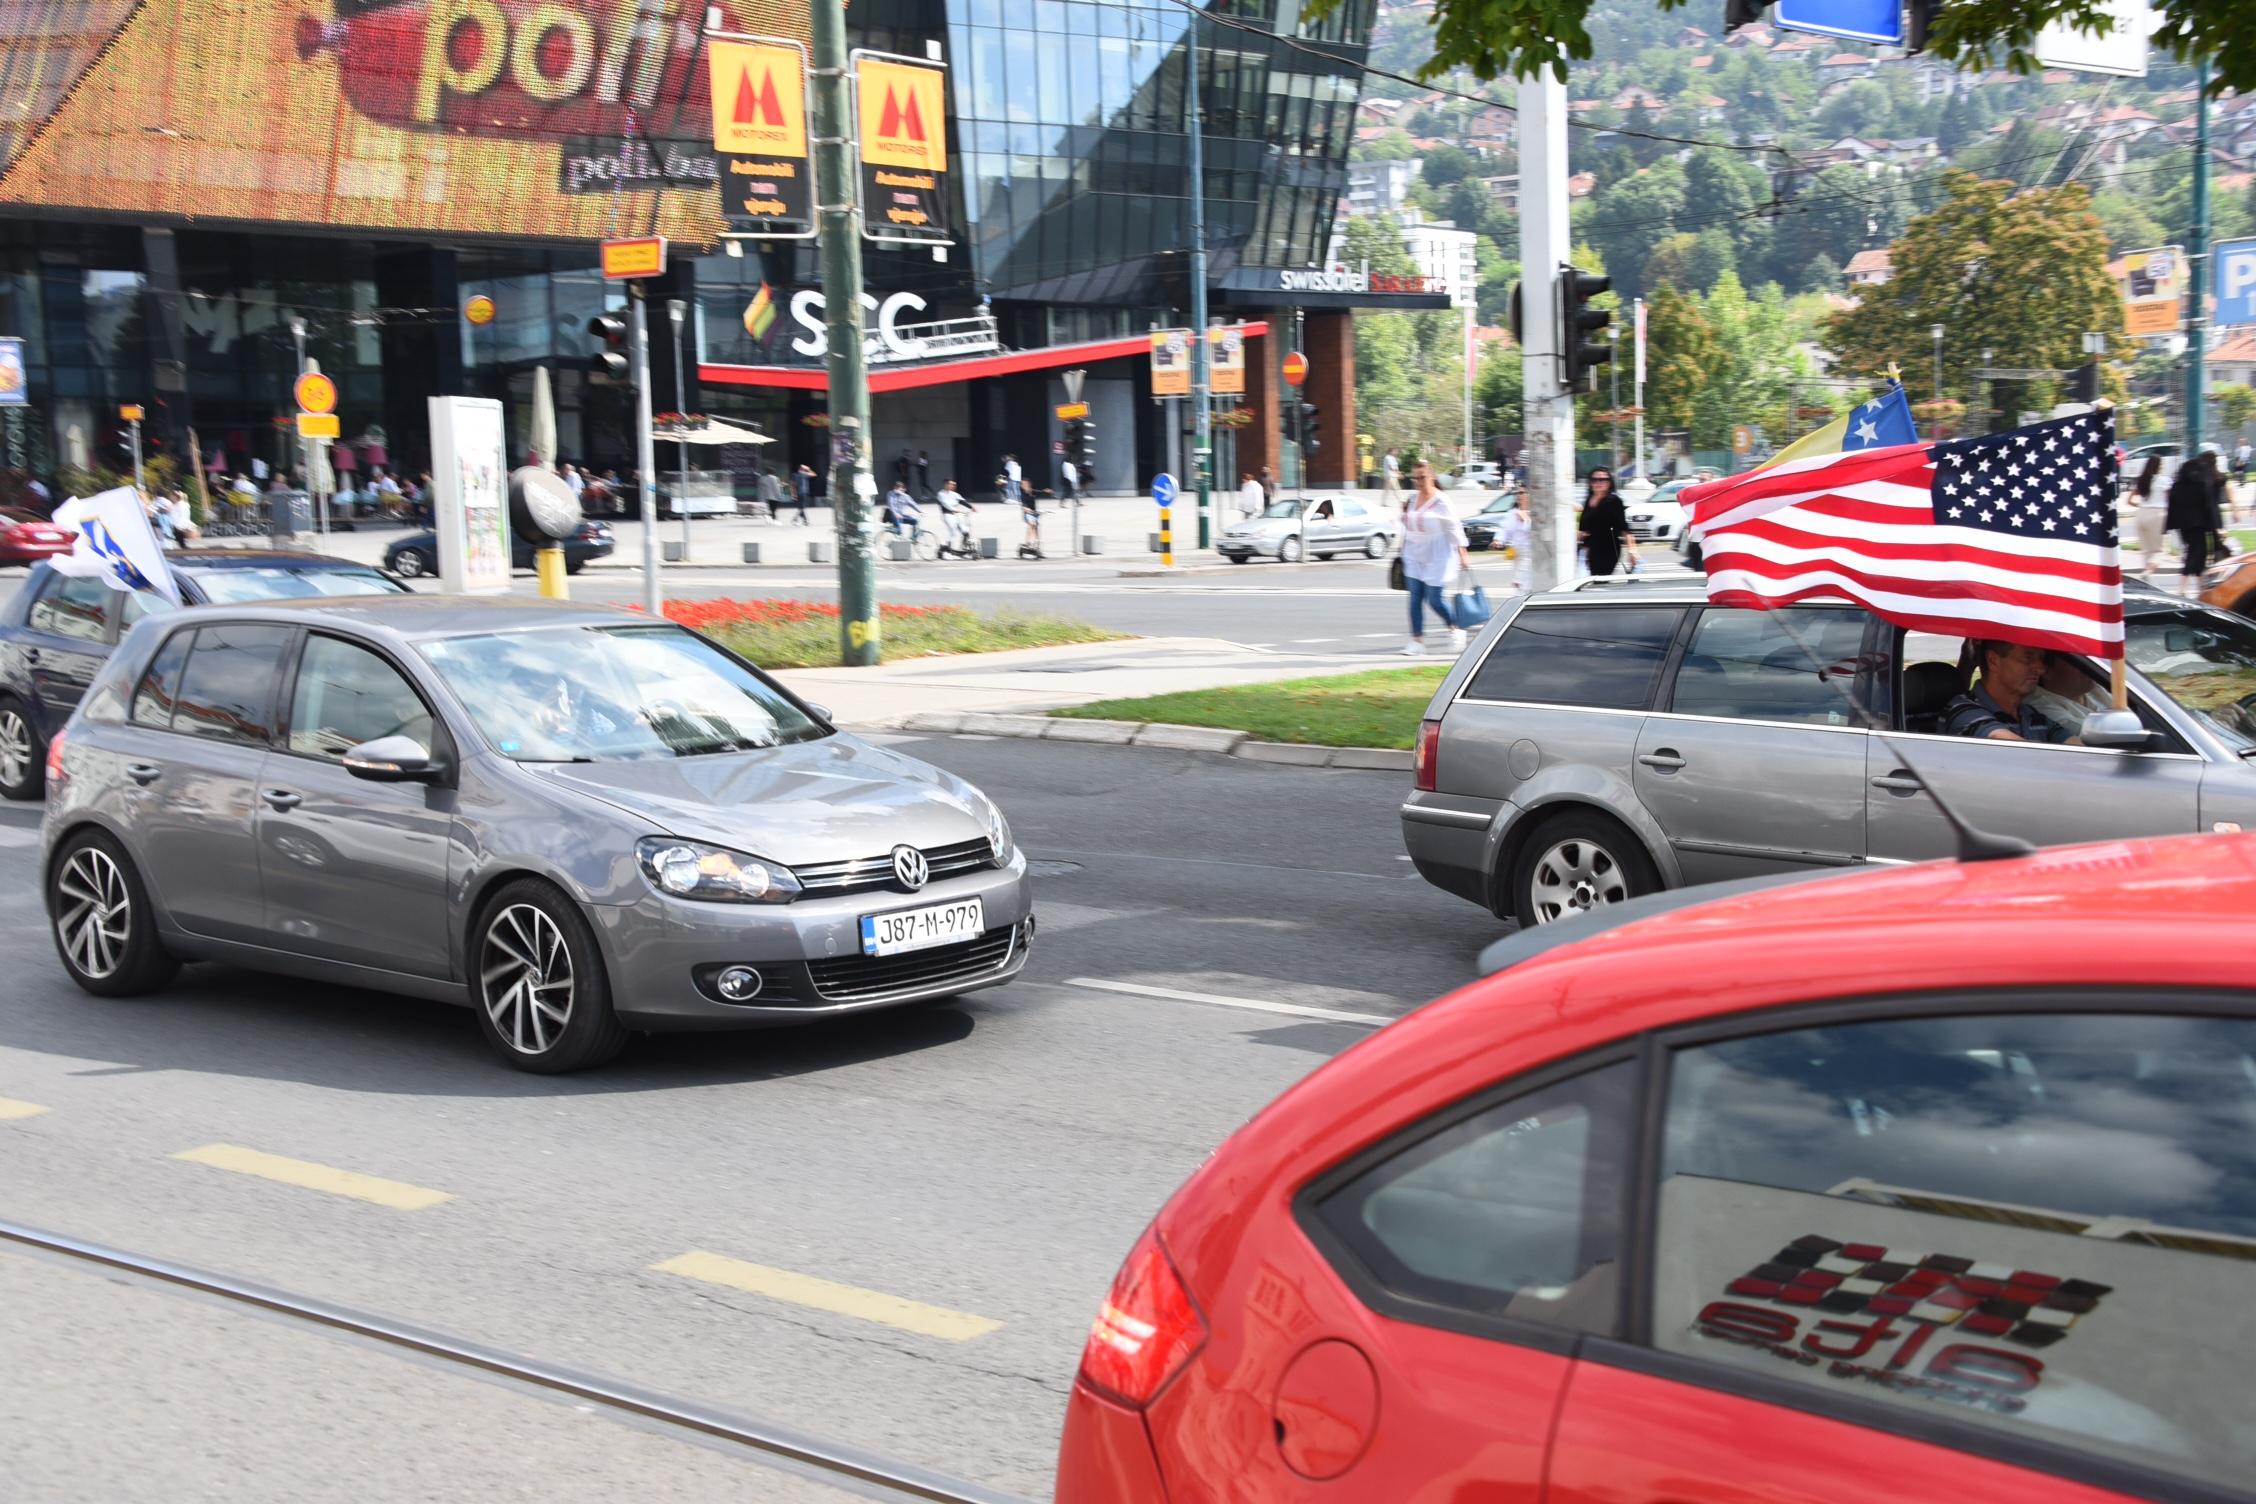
(116, 542)
(2010, 536)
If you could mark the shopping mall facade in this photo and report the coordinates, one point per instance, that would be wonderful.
(196, 178)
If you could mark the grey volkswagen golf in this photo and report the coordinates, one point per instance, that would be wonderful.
(576, 821)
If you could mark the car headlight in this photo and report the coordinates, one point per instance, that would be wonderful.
(998, 834)
(691, 869)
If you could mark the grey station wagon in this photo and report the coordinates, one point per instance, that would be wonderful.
(1607, 740)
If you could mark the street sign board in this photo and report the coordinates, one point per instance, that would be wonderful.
(2152, 288)
(1163, 489)
(131, 413)
(319, 426)
(901, 121)
(1171, 362)
(1296, 368)
(316, 393)
(2120, 51)
(1742, 439)
(15, 380)
(1858, 20)
(1068, 411)
(2236, 283)
(1225, 363)
(625, 260)
(759, 88)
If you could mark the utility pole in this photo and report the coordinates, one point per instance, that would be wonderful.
(676, 309)
(2197, 258)
(1202, 405)
(853, 489)
(305, 463)
(1469, 363)
(1613, 376)
(1637, 387)
(1544, 246)
(646, 464)
(1936, 330)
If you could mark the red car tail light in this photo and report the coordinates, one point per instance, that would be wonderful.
(1147, 1331)
(1429, 756)
(55, 773)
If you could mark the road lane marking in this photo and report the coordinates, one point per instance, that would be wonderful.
(11, 1109)
(826, 1295)
(1254, 1005)
(304, 1173)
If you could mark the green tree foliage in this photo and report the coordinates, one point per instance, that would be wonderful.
(1627, 218)
(1857, 110)
(1681, 349)
(2024, 278)
(1445, 165)
(2235, 405)
(1409, 367)
(1841, 211)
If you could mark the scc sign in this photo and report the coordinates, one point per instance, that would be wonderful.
(886, 341)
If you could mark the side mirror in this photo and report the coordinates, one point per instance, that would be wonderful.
(393, 759)
(822, 712)
(2119, 730)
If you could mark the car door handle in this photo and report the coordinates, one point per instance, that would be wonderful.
(1898, 782)
(281, 798)
(143, 773)
(1662, 760)
(31, 655)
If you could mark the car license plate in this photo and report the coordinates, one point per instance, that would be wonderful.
(921, 929)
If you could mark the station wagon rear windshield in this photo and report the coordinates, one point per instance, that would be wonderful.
(2204, 660)
(240, 585)
(613, 694)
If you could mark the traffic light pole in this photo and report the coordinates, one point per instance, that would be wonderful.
(2197, 267)
(1544, 244)
(853, 489)
(1202, 405)
(646, 464)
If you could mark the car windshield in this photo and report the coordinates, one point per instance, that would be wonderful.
(1283, 509)
(262, 582)
(2204, 660)
(614, 694)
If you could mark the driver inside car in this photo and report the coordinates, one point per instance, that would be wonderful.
(1998, 707)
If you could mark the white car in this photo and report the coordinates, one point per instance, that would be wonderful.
(1485, 475)
(1336, 525)
(1658, 518)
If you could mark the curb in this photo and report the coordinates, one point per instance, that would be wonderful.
(1157, 734)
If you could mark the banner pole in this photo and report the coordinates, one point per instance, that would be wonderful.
(2119, 684)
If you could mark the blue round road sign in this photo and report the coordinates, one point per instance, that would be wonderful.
(1163, 488)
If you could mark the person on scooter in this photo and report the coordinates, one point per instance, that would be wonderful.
(955, 512)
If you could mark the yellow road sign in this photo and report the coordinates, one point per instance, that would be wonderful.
(316, 393)
(318, 426)
(1068, 411)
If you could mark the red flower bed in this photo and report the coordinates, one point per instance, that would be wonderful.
(700, 615)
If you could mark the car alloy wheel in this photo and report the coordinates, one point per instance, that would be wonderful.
(1574, 876)
(1288, 552)
(19, 755)
(410, 564)
(1375, 546)
(93, 913)
(525, 973)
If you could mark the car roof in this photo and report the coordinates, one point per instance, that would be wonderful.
(1687, 587)
(258, 558)
(412, 617)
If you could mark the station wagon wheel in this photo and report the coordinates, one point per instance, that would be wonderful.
(104, 927)
(23, 771)
(1375, 546)
(1288, 552)
(537, 980)
(1575, 862)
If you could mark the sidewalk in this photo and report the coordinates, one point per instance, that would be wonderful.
(1033, 680)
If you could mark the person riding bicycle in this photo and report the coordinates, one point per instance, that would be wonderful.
(901, 510)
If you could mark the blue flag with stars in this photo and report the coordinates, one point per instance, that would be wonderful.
(1884, 420)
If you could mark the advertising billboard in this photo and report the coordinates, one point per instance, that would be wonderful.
(470, 485)
(1171, 363)
(2236, 285)
(15, 383)
(2153, 287)
(759, 92)
(1225, 362)
(901, 120)
(553, 119)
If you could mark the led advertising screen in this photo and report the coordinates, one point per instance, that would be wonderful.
(554, 119)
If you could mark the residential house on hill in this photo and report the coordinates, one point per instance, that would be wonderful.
(1870, 269)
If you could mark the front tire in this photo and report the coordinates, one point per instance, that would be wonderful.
(104, 926)
(1575, 862)
(23, 753)
(538, 983)
(411, 564)
(1375, 546)
(1288, 552)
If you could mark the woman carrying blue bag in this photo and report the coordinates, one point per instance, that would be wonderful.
(1433, 551)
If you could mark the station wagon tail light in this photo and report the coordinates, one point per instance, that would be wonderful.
(1147, 1331)
(56, 777)
(1429, 756)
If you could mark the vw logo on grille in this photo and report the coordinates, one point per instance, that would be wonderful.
(910, 869)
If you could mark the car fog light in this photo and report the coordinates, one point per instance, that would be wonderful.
(738, 983)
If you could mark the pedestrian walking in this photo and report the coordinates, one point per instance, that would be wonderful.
(1433, 551)
(904, 465)
(1390, 480)
(924, 473)
(1072, 474)
(2152, 510)
(1014, 479)
(771, 493)
(1252, 500)
(2195, 513)
(1268, 486)
(1517, 537)
(1604, 533)
(802, 492)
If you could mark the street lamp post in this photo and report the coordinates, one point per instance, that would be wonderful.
(677, 310)
(1937, 331)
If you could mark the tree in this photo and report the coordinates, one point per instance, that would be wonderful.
(1681, 350)
(1629, 217)
(1516, 38)
(2024, 278)
(1445, 165)
(1831, 217)
(1859, 109)
(2235, 406)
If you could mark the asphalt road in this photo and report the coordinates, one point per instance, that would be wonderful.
(965, 1177)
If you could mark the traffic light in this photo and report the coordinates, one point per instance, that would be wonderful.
(1919, 22)
(1580, 354)
(1084, 447)
(611, 360)
(1738, 13)
(1309, 442)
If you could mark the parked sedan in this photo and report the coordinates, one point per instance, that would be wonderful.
(1335, 525)
(1879, 1188)
(1660, 517)
(27, 537)
(57, 631)
(1484, 526)
(575, 821)
(1607, 741)
(416, 556)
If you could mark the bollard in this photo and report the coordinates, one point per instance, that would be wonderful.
(818, 553)
(990, 548)
(898, 549)
(1091, 543)
(751, 553)
(675, 552)
(548, 563)
(1167, 537)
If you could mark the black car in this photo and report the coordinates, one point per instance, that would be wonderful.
(1482, 527)
(56, 632)
(417, 555)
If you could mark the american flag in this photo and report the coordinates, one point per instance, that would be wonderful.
(2011, 536)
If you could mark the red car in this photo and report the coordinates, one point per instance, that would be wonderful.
(26, 537)
(1935, 1184)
